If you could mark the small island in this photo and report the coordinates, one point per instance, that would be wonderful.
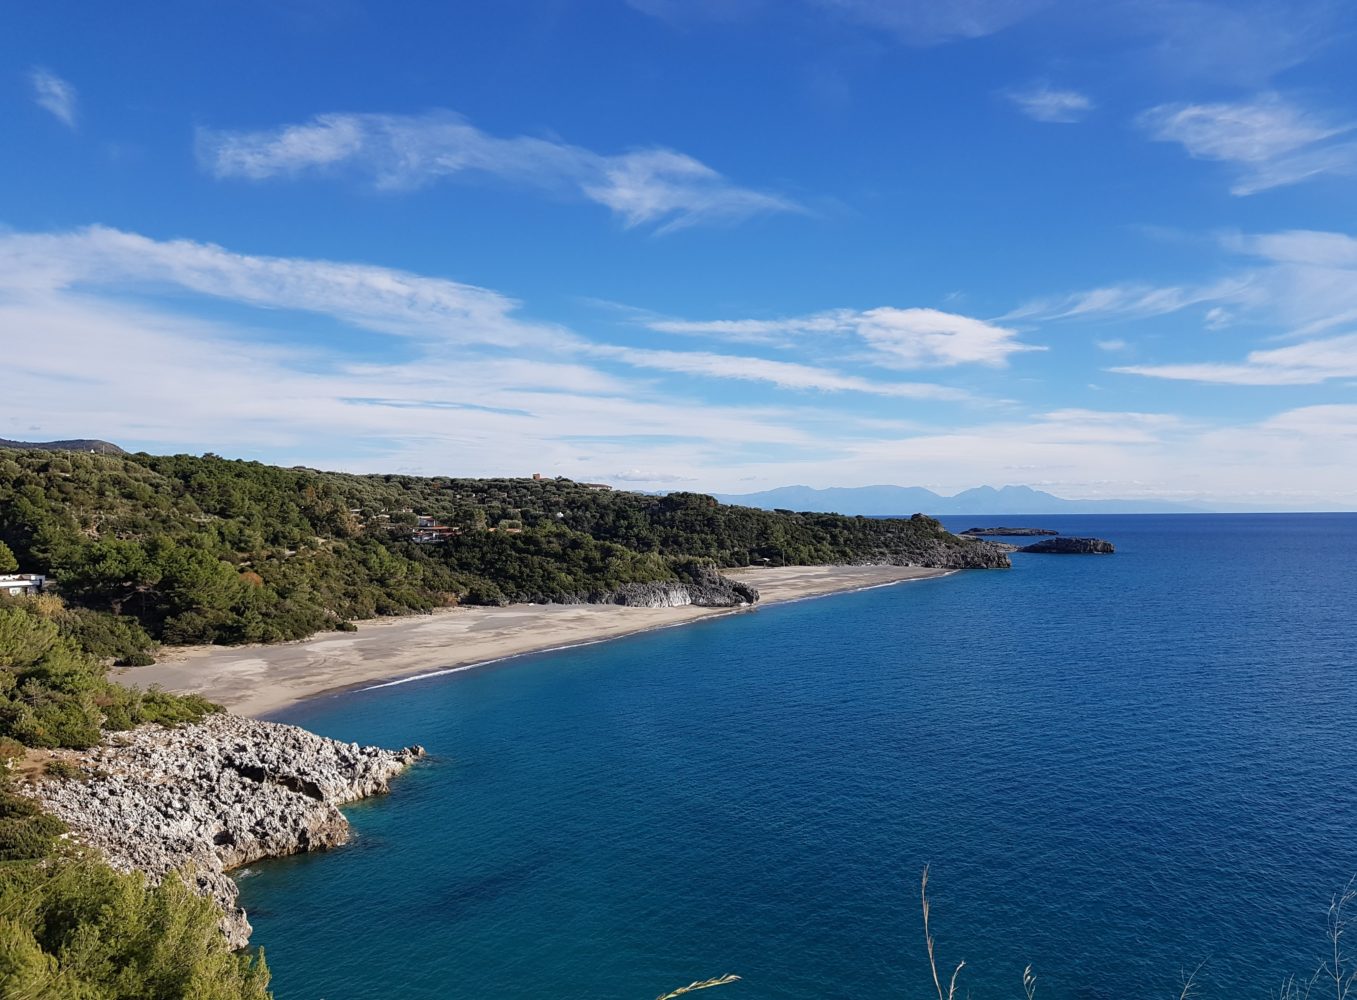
(1071, 547)
(1010, 532)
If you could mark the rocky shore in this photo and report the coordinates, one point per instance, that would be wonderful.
(213, 796)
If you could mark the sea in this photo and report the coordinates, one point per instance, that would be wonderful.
(1120, 771)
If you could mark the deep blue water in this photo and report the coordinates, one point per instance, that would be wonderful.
(1118, 768)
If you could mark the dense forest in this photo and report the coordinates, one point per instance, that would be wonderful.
(184, 549)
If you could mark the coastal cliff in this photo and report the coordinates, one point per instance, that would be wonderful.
(215, 795)
(704, 587)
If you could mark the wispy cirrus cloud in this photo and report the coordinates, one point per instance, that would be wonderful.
(892, 337)
(656, 186)
(1044, 103)
(54, 95)
(783, 374)
(381, 299)
(1271, 141)
(929, 22)
(1307, 363)
(1239, 42)
(913, 22)
(1129, 300)
(1301, 281)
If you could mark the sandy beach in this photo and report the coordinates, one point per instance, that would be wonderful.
(259, 680)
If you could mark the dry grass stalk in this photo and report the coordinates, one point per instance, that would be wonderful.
(1190, 983)
(928, 940)
(1339, 969)
(702, 985)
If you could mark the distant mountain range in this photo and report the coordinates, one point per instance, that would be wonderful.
(75, 444)
(877, 500)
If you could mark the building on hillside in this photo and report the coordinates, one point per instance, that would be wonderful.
(596, 486)
(19, 584)
(428, 531)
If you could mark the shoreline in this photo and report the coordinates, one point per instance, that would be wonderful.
(258, 681)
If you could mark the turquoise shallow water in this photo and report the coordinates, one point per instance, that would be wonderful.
(1117, 768)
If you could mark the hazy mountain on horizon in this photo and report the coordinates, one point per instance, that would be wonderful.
(877, 500)
(74, 444)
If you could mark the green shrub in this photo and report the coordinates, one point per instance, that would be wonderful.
(105, 636)
(81, 931)
(63, 770)
(53, 694)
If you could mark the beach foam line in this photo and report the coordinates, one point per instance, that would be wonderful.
(445, 671)
(551, 649)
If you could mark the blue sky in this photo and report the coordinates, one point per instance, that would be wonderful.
(1109, 250)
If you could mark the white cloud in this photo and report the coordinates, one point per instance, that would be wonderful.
(53, 94)
(1044, 103)
(1299, 282)
(1300, 246)
(893, 337)
(376, 298)
(1127, 301)
(933, 22)
(1307, 363)
(783, 374)
(655, 186)
(1273, 142)
(648, 476)
(923, 338)
(1307, 281)
(1238, 42)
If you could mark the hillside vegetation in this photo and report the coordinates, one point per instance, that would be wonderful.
(189, 549)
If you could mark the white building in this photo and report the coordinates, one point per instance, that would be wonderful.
(16, 584)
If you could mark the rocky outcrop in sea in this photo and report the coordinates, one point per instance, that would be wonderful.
(215, 795)
(1010, 532)
(1071, 547)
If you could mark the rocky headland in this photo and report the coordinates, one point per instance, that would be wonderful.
(212, 796)
(1071, 547)
(939, 549)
